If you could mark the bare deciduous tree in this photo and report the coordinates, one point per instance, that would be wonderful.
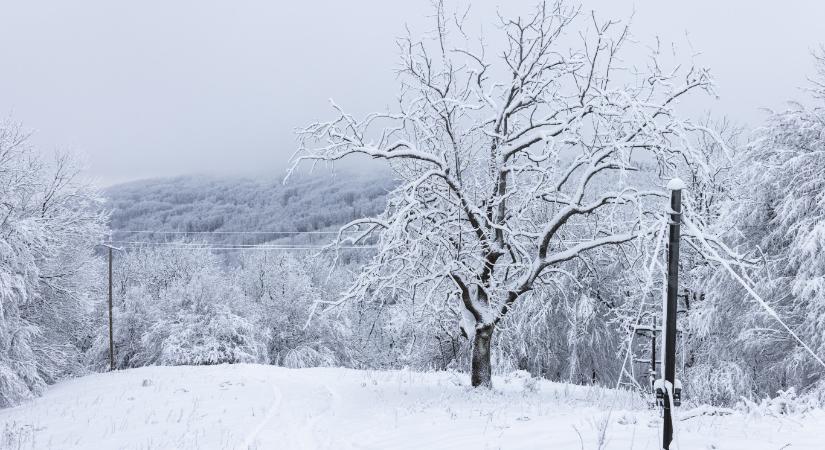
(512, 165)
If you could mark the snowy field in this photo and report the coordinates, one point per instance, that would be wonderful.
(266, 407)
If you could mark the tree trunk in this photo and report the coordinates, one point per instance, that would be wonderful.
(481, 370)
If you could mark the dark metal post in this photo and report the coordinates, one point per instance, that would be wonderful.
(111, 337)
(675, 187)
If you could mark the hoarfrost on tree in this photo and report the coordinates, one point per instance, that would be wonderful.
(513, 164)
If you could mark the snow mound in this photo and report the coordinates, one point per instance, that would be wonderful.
(265, 407)
(676, 184)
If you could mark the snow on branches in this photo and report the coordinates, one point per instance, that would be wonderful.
(50, 222)
(777, 219)
(515, 164)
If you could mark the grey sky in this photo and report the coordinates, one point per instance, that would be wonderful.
(155, 88)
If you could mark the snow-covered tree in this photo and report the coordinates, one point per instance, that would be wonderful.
(778, 216)
(50, 222)
(516, 158)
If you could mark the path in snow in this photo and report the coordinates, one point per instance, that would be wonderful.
(252, 437)
(265, 407)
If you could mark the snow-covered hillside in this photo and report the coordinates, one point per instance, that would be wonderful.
(266, 407)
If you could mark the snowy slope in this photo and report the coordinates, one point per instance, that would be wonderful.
(265, 407)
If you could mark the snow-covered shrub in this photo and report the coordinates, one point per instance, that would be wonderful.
(191, 306)
(722, 383)
(306, 356)
(527, 381)
(133, 315)
(786, 402)
(280, 290)
(213, 334)
(199, 322)
(176, 307)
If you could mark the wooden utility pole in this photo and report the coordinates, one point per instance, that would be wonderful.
(675, 186)
(111, 337)
(109, 250)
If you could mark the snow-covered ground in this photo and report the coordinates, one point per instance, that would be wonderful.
(265, 407)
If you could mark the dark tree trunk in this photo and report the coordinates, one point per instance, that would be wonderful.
(481, 370)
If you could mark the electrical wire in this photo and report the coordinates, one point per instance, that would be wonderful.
(231, 232)
(715, 255)
(174, 246)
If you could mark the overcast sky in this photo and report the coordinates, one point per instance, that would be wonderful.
(155, 88)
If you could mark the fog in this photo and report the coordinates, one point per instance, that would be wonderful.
(156, 88)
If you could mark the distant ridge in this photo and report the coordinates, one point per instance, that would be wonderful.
(201, 203)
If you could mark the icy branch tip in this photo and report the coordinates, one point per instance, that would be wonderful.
(676, 184)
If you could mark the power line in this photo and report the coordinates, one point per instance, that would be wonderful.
(201, 244)
(232, 232)
(714, 255)
(228, 248)
(197, 246)
(180, 232)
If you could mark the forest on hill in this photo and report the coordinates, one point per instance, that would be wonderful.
(197, 205)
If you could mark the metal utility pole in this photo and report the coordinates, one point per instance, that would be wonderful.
(675, 186)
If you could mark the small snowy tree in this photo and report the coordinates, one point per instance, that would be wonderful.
(499, 160)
